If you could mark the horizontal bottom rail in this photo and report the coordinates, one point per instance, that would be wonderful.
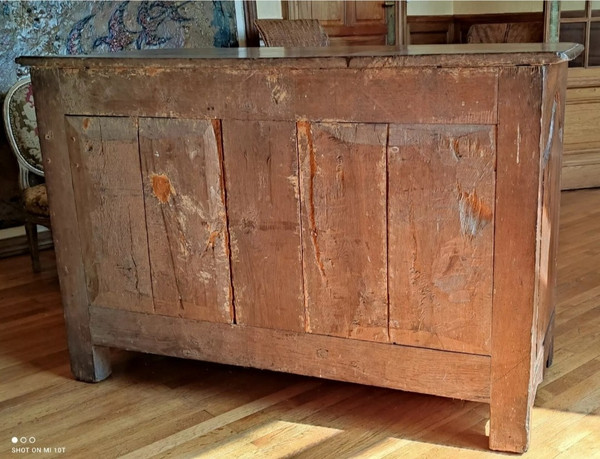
(429, 371)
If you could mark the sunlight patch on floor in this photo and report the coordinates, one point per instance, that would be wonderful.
(272, 439)
(556, 432)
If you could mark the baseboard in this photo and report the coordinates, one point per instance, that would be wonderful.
(17, 245)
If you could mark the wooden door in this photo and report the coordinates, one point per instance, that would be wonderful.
(348, 22)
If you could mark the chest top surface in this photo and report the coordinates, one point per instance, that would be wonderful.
(462, 55)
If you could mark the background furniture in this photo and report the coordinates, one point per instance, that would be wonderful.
(352, 22)
(21, 129)
(293, 213)
(580, 22)
(290, 33)
(455, 28)
(510, 32)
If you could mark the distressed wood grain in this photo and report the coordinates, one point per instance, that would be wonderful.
(387, 140)
(553, 111)
(441, 213)
(261, 168)
(343, 196)
(447, 56)
(212, 410)
(89, 362)
(185, 211)
(281, 94)
(110, 206)
(515, 257)
(365, 362)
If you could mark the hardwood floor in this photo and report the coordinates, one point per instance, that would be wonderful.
(166, 407)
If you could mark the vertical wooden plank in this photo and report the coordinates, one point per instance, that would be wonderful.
(250, 15)
(440, 207)
(185, 208)
(261, 170)
(108, 193)
(518, 181)
(88, 362)
(343, 202)
(551, 161)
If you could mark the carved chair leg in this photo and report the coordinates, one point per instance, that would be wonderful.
(32, 242)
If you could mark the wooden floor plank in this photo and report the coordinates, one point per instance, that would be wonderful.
(165, 407)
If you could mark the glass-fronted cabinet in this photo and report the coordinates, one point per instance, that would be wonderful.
(580, 22)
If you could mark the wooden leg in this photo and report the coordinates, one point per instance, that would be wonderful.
(32, 241)
(517, 186)
(89, 363)
(509, 425)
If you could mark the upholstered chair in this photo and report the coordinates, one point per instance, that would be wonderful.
(21, 130)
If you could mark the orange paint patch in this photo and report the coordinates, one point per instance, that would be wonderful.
(474, 213)
(161, 187)
(86, 123)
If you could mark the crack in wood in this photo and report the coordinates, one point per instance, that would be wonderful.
(550, 138)
(305, 131)
(131, 255)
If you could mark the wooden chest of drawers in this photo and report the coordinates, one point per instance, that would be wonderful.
(377, 215)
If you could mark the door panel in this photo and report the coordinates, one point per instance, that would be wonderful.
(108, 194)
(368, 12)
(328, 12)
(441, 203)
(185, 212)
(261, 168)
(343, 196)
(346, 22)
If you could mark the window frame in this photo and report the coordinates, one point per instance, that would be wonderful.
(554, 14)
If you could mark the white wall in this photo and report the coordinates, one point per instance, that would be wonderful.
(575, 5)
(16, 231)
(429, 8)
(490, 6)
(268, 9)
(447, 7)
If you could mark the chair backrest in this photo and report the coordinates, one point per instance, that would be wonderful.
(508, 32)
(291, 32)
(21, 129)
